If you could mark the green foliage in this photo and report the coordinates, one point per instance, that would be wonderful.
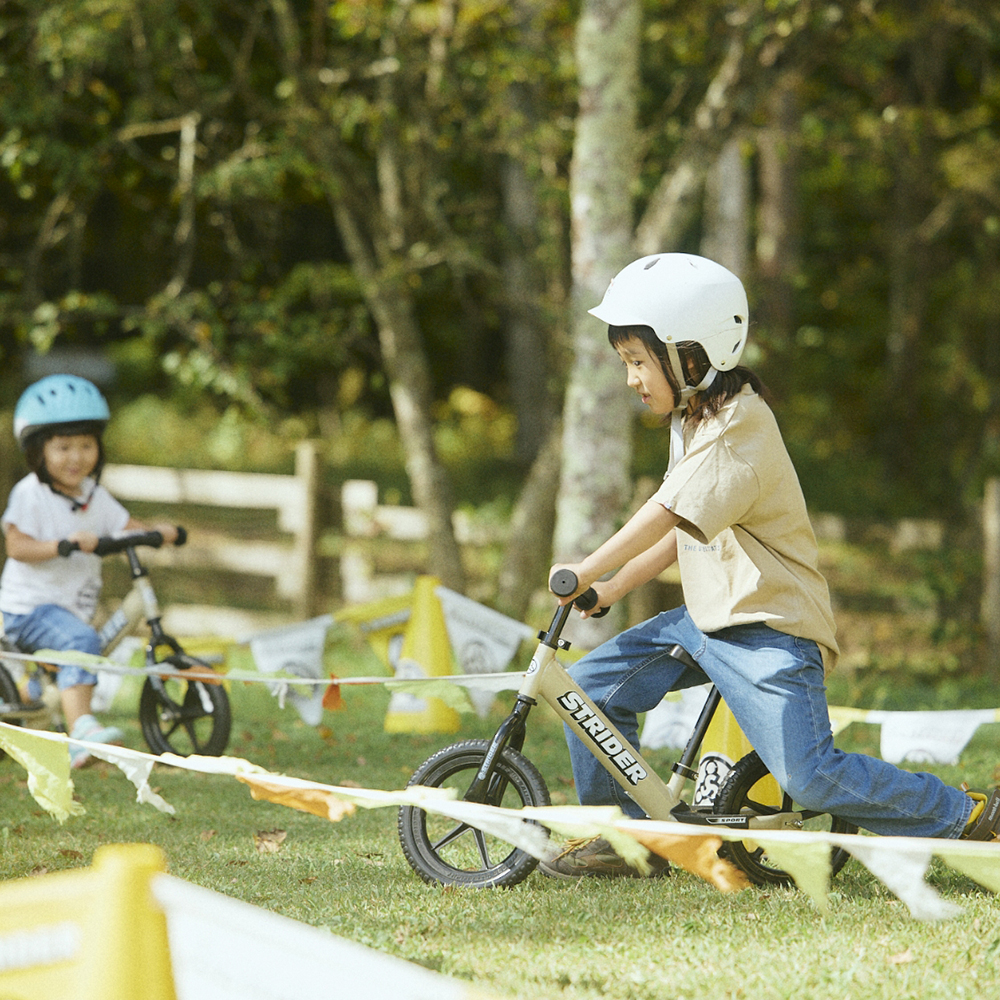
(169, 176)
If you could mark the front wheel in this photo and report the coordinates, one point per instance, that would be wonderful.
(740, 794)
(443, 850)
(184, 717)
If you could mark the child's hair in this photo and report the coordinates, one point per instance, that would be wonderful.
(34, 446)
(708, 402)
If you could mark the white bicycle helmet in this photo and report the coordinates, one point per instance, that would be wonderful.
(59, 401)
(682, 298)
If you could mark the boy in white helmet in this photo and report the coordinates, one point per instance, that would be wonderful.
(51, 580)
(757, 613)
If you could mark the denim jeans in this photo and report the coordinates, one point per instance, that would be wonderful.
(50, 626)
(773, 683)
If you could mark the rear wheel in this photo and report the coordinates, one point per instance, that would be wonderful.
(9, 697)
(185, 717)
(741, 792)
(440, 849)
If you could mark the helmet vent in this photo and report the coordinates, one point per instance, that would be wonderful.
(655, 260)
(738, 320)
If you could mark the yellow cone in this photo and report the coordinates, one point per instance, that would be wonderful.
(426, 652)
(91, 934)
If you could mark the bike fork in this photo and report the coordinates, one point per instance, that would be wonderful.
(488, 784)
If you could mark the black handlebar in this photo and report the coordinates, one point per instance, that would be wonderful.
(110, 544)
(563, 582)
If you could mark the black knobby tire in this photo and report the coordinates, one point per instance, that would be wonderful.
(444, 850)
(737, 795)
(8, 694)
(185, 717)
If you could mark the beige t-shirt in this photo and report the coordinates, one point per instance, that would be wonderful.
(745, 546)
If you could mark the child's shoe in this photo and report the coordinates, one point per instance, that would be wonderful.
(595, 856)
(88, 728)
(984, 822)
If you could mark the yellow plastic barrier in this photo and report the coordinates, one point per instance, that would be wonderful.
(88, 934)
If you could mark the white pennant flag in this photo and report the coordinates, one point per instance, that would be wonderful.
(483, 641)
(297, 650)
(928, 737)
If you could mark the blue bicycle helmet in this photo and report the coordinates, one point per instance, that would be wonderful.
(60, 403)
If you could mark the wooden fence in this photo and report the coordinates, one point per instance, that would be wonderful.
(295, 498)
(362, 522)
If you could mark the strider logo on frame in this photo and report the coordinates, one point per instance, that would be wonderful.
(607, 742)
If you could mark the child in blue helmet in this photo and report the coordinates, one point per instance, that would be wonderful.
(48, 594)
(757, 613)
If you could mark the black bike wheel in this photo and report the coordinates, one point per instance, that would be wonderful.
(184, 717)
(443, 850)
(739, 794)
(9, 695)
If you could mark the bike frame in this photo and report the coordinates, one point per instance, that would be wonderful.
(547, 680)
(140, 603)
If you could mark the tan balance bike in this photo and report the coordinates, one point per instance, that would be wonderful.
(177, 714)
(495, 772)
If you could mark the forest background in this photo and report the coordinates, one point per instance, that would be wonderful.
(380, 224)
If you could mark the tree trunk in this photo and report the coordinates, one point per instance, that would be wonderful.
(727, 209)
(596, 457)
(409, 386)
(526, 557)
(777, 218)
(527, 370)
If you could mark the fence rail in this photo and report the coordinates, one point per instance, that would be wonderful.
(363, 520)
(295, 498)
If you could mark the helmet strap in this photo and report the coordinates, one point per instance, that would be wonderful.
(677, 415)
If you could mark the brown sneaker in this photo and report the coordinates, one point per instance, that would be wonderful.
(984, 823)
(597, 857)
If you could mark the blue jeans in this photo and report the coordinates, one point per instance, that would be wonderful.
(50, 626)
(773, 683)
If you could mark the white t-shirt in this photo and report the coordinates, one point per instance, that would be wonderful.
(745, 545)
(74, 582)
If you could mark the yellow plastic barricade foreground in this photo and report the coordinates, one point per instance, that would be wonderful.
(124, 930)
(90, 934)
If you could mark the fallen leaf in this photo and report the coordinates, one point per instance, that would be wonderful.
(206, 835)
(350, 783)
(269, 841)
(67, 853)
(902, 958)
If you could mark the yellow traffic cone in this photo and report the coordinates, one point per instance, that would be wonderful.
(723, 746)
(90, 934)
(426, 652)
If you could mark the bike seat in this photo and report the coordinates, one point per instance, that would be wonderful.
(678, 652)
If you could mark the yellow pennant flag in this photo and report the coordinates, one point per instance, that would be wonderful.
(47, 764)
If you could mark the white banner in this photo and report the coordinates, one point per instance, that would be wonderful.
(297, 650)
(482, 640)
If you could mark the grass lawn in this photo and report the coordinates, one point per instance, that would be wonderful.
(629, 940)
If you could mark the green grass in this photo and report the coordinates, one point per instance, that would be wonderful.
(631, 940)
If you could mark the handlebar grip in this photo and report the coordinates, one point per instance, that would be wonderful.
(563, 582)
(182, 536)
